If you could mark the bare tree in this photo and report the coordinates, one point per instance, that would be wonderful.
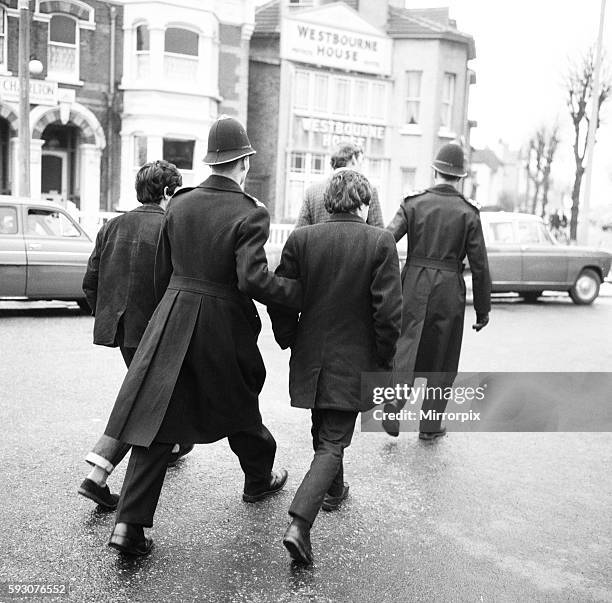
(540, 154)
(579, 87)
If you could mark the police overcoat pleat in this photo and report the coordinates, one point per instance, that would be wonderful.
(440, 225)
(197, 373)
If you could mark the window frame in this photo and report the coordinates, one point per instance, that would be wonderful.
(448, 102)
(413, 99)
(59, 76)
(170, 138)
(193, 57)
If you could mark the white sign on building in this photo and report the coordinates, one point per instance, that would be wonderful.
(308, 41)
(41, 92)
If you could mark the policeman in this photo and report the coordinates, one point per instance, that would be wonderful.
(441, 227)
(198, 372)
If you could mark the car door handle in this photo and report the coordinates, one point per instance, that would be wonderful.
(34, 246)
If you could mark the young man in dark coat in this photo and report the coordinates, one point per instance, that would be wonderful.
(441, 227)
(118, 285)
(350, 322)
(197, 374)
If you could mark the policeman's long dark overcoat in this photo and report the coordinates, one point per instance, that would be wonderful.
(441, 227)
(351, 313)
(118, 283)
(197, 373)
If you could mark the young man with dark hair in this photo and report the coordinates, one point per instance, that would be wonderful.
(350, 322)
(313, 210)
(119, 288)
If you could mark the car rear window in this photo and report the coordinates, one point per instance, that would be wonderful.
(8, 220)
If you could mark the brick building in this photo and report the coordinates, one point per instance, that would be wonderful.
(393, 80)
(122, 83)
(74, 117)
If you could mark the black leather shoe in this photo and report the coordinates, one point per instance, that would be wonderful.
(432, 435)
(183, 450)
(332, 503)
(277, 481)
(100, 495)
(130, 539)
(297, 542)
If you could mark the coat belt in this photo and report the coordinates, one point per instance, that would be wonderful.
(196, 285)
(449, 265)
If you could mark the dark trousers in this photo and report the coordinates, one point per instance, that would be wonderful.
(144, 478)
(332, 431)
(109, 452)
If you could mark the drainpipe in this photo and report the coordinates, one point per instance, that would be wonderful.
(110, 103)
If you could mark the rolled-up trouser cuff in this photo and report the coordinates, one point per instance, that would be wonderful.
(95, 459)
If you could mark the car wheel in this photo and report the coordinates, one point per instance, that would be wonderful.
(586, 288)
(84, 305)
(530, 296)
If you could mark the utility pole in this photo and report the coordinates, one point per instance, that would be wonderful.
(24, 98)
(583, 225)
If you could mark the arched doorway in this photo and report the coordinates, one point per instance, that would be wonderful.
(70, 141)
(59, 174)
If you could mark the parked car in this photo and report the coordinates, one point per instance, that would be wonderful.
(523, 257)
(43, 252)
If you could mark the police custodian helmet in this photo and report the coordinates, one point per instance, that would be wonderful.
(449, 161)
(227, 141)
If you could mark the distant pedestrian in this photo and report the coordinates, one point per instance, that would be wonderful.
(442, 227)
(350, 322)
(313, 208)
(198, 372)
(118, 285)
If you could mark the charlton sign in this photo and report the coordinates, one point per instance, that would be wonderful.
(333, 47)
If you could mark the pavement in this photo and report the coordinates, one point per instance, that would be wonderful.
(472, 517)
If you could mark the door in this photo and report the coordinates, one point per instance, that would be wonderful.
(544, 262)
(57, 253)
(54, 169)
(504, 254)
(12, 253)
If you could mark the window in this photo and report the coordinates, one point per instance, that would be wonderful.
(143, 69)
(298, 162)
(528, 232)
(48, 223)
(140, 151)
(181, 55)
(181, 41)
(63, 48)
(448, 98)
(8, 220)
(300, 90)
(342, 89)
(142, 38)
(317, 163)
(2, 38)
(413, 97)
(379, 108)
(360, 98)
(179, 152)
(408, 180)
(502, 232)
(321, 93)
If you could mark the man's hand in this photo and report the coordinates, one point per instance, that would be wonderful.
(482, 320)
